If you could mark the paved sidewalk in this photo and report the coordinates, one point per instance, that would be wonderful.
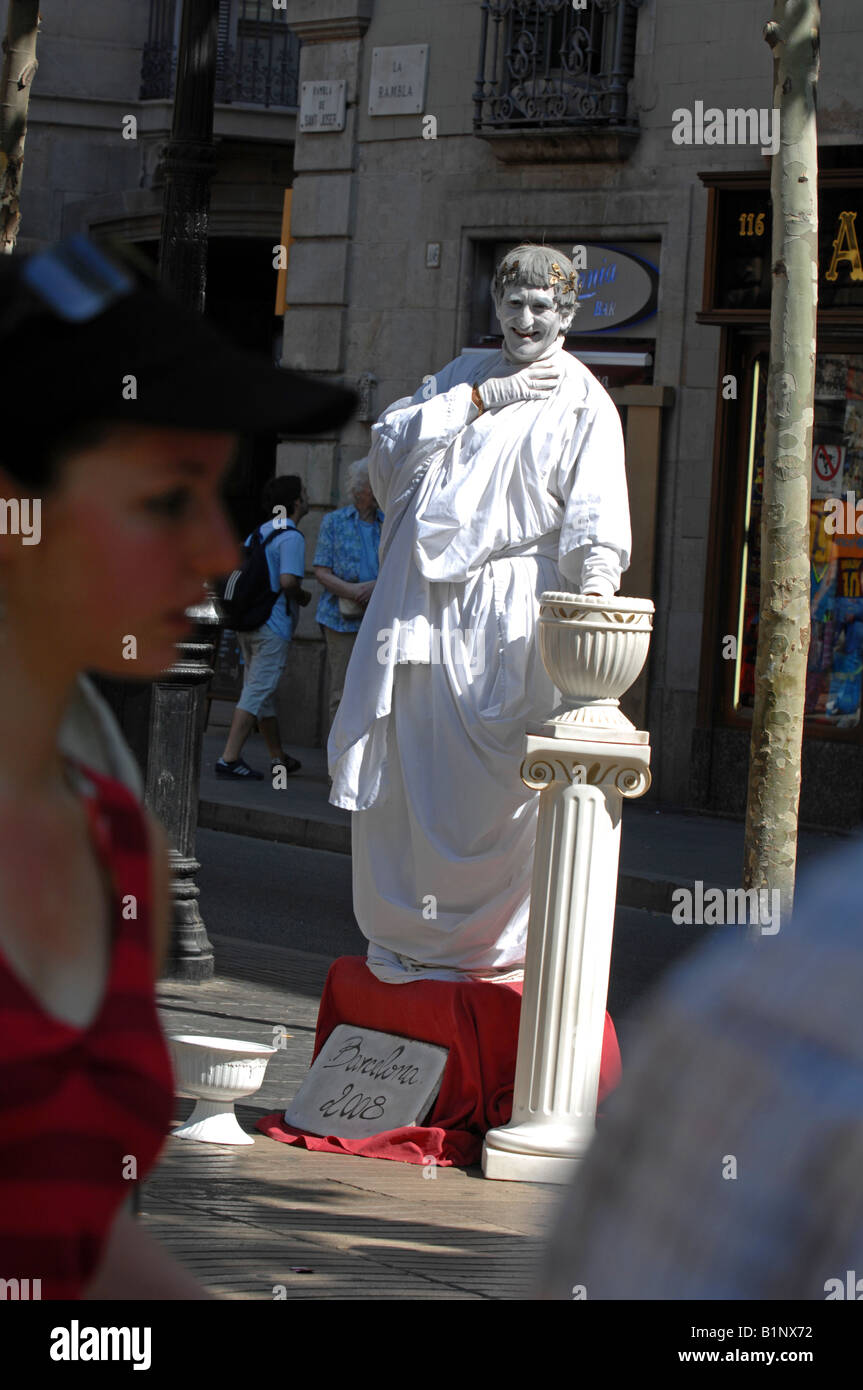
(269, 1220)
(297, 814)
(248, 1220)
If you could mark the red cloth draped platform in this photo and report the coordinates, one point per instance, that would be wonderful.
(477, 1021)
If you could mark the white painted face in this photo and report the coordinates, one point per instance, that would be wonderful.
(530, 320)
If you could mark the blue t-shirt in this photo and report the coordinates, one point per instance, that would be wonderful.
(286, 555)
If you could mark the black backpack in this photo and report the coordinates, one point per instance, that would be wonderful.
(246, 596)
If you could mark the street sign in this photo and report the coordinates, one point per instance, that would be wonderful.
(398, 81)
(322, 106)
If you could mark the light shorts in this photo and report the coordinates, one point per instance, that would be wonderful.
(264, 657)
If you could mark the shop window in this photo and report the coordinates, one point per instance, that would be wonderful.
(834, 679)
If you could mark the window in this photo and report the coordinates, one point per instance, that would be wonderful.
(544, 64)
(257, 58)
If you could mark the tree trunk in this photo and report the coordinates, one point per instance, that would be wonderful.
(19, 66)
(783, 631)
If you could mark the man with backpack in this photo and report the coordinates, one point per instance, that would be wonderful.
(268, 595)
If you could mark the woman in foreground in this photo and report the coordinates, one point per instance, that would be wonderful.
(110, 521)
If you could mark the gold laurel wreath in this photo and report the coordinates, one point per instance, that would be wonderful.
(569, 282)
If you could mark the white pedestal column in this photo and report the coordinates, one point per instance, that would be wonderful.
(586, 761)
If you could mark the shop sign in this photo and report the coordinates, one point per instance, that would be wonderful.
(616, 288)
(741, 273)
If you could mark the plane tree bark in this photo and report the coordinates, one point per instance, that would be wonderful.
(19, 67)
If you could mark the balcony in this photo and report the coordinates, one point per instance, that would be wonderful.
(258, 56)
(552, 80)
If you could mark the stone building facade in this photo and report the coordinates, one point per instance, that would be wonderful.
(470, 125)
(99, 120)
(395, 215)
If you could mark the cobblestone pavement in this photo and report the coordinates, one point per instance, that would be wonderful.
(269, 1221)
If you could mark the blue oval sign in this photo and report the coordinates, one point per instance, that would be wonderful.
(617, 288)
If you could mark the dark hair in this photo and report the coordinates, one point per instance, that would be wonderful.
(34, 457)
(281, 492)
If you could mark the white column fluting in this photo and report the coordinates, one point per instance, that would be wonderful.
(585, 761)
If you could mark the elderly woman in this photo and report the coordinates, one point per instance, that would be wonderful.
(346, 564)
(503, 477)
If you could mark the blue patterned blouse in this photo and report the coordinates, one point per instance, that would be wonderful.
(349, 547)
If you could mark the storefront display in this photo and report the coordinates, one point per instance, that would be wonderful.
(737, 285)
(736, 300)
(834, 681)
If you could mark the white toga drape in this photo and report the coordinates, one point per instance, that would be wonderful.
(482, 513)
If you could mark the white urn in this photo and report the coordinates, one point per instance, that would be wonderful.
(216, 1072)
(593, 649)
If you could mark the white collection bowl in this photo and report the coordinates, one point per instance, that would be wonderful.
(593, 649)
(216, 1072)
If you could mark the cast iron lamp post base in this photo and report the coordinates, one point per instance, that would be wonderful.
(177, 717)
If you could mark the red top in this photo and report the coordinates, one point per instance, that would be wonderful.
(83, 1110)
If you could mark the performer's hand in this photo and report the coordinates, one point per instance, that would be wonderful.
(363, 592)
(533, 383)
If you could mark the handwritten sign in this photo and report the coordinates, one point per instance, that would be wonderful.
(363, 1082)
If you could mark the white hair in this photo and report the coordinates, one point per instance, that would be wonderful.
(538, 266)
(358, 476)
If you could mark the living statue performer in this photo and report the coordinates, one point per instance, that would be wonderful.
(502, 477)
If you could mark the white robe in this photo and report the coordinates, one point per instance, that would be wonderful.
(482, 513)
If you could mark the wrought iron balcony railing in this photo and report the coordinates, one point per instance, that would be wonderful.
(544, 63)
(258, 56)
